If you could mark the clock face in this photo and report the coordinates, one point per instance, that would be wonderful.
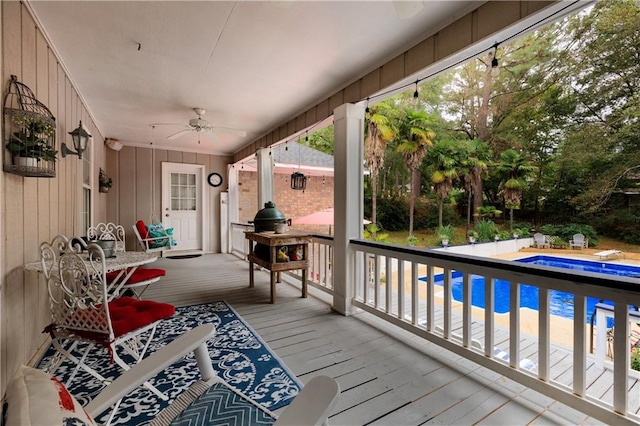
(215, 179)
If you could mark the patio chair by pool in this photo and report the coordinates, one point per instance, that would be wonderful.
(579, 241)
(34, 397)
(541, 240)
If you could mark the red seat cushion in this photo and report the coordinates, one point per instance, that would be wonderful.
(129, 314)
(140, 275)
(142, 230)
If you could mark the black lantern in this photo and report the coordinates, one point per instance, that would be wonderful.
(80, 139)
(298, 181)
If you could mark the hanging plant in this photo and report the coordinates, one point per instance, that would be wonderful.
(105, 182)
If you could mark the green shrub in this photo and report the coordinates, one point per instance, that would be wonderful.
(635, 359)
(486, 230)
(566, 232)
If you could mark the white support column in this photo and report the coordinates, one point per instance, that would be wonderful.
(233, 205)
(348, 156)
(265, 176)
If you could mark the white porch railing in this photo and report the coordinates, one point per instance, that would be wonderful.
(527, 353)
(239, 244)
(392, 290)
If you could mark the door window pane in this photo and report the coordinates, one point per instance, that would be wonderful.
(183, 191)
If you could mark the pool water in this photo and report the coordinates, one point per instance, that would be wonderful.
(561, 303)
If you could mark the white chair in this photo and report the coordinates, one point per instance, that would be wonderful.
(579, 241)
(37, 400)
(107, 231)
(541, 240)
(82, 312)
(138, 281)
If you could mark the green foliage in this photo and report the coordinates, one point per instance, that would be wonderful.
(446, 232)
(566, 232)
(623, 224)
(635, 359)
(372, 232)
(486, 230)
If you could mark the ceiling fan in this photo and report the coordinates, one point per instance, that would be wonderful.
(200, 125)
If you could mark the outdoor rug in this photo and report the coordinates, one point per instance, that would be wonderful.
(238, 355)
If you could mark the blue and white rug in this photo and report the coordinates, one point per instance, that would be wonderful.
(238, 355)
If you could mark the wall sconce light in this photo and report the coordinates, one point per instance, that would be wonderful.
(80, 139)
(298, 181)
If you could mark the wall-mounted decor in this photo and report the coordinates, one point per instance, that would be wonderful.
(104, 182)
(29, 133)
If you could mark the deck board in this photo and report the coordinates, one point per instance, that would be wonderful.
(387, 376)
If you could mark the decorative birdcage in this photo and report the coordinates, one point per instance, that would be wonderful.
(29, 133)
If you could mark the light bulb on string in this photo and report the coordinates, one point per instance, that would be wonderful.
(495, 66)
(416, 96)
(367, 110)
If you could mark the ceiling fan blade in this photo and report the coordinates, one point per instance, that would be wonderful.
(228, 131)
(179, 133)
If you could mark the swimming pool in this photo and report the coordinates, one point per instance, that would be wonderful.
(561, 303)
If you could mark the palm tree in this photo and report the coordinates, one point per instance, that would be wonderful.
(473, 166)
(414, 138)
(445, 159)
(379, 131)
(515, 171)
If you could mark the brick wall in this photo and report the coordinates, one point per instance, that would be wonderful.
(317, 196)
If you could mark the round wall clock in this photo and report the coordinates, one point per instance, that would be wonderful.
(214, 179)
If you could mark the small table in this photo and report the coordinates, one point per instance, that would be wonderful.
(274, 242)
(124, 261)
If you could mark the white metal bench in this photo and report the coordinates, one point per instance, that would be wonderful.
(609, 254)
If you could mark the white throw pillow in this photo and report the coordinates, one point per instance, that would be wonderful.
(35, 398)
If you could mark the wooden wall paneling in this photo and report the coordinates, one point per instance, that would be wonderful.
(322, 110)
(30, 220)
(127, 194)
(189, 158)
(311, 117)
(393, 71)
(61, 128)
(44, 202)
(54, 205)
(160, 156)
(143, 187)
(13, 285)
(454, 37)
(207, 202)
(351, 93)
(112, 197)
(68, 160)
(420, 56)
(370, 84)
(174, 156)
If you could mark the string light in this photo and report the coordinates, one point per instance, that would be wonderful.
(415, 96)
(367, 110)
(495, 66)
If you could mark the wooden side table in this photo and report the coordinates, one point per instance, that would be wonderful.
(274, 242)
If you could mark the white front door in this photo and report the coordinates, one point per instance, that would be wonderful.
(182, 204)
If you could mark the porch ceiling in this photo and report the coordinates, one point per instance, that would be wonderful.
(251, 65)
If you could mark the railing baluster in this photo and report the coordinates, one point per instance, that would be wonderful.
(514, 324)
(620, 357)
(489, 308)
(466, 310)
(376, 281)
(388, 284)
(579, 344)
(447, 303)
(544, 337)
(430, 298)
(414, 293)
(400, 264)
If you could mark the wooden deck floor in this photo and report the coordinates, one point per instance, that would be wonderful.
(387, 376)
